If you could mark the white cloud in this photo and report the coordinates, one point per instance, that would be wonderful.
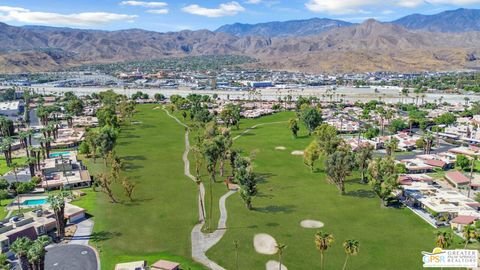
(225, 9)
(339, 6)
(254, 2)
(454, 2)
(410, 3)
(158, 11)
(144, 4)
(76, 19)
(4, 9)
(358, 6)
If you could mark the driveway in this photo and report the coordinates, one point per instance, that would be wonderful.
(83, 232)
(71, 257)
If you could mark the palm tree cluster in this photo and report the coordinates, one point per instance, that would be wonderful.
(31, 253)
(325, 240)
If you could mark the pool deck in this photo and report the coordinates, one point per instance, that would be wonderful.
(14, 204)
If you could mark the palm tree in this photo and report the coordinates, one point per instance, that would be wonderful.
(6, 147)
(444, 239)
(363, 157)
(280, 250)
(351, 249)
(57, 203)
(20, 247)
(468, 234)
(323, 241)
(15, 166)
(36, 252)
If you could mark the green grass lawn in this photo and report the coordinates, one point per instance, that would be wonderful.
(157, 224)
(3, 164)
(289, 193)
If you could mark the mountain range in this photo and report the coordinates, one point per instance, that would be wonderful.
(459, 20)
(316, 45)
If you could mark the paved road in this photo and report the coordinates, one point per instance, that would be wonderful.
(442, 148)
(71, 257)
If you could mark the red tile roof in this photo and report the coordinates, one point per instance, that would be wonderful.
(165, 265)
(463, 220)
(435, 163)
(457, 177)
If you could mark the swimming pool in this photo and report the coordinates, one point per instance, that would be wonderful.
(58, 154)
(33, 202)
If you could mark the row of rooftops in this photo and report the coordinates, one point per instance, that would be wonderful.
(442, 200)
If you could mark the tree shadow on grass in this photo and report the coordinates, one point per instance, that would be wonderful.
(276, 209)
(253, 226)
(124, 143)
(148, 126)
(132, 136)
(249, 133)
(130, 166)
(137, 157)
(262, 178)
(263, 195)
(361, 193)
(103, 236)
(136, 202)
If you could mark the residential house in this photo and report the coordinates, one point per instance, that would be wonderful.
(64, 172)
(457, 179)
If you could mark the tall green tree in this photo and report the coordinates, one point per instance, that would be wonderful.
(293, 126)
(311, 117)
(311, 154)
(383, 177)
(230, 115)
(243, 175)
(338, 166)
(327, 139)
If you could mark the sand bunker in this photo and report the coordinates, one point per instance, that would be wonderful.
(156, 108)
(274, 265)
(265, 244)
(297, 153)
(280, 148)
(308, 223)
(136, 122)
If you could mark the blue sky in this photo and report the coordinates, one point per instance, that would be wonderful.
(170, 15)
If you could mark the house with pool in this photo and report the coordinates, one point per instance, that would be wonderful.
(64, 170)
(32, 224)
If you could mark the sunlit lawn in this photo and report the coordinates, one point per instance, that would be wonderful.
(157, 224)
(289, 193)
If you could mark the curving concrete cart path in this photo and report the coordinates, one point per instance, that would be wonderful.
(202, 242)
